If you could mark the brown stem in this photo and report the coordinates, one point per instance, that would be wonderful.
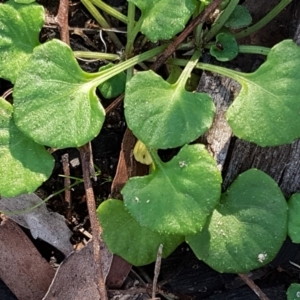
(96, 229)
(61, 20)
(261, 295)
(67, 183)
(173, 46)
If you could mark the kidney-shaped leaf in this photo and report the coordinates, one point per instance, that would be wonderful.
(25, 165)
(178, 196)
(162, 19)
(226, 47)
(247, 228)
(294, 220)
(267, 109)
(164, 115)
(125, 237)
(293, 291)
(239, 18)
(55, 101)
(20, 26)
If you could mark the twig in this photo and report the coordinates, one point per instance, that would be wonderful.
(156, 271)
(61, 20)
(261, 295)
(95, 226)
(173, 46)
(114, 104)
(67, 183)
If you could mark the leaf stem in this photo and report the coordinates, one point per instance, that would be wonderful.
(155, 158)
(188, 69)
(254, 49)
(103, 23)
(132, 35)
(129, 43)
(265, 20)
(102, 76)
(97, 55)
(238, 76)
(221, 20)
(110, 10)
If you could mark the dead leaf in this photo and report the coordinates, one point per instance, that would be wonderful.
(47, 226)
(23, 269)
(74, 279)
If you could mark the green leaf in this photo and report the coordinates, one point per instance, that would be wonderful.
(225, 48)
(267, 108)
(20, 26)
(293, 292)
(125, 237)
(25, 165)
(247, 228)
(293, 219)
(239, 18)
(162, 19)
(164, 115)
(177, 196)
(55, 101)
(114, 86)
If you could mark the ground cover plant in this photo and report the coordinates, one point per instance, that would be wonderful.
(180, 200)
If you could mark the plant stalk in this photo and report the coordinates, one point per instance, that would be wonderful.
(110, 10)
(100, 77)
(97, 55)
(103, 23)
(221, 20)
(188, 69)
(265, 20)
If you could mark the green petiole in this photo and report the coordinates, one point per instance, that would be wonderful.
(110, 10)
(103, 23)
(265, 20)
(102, 76)
(221, 20)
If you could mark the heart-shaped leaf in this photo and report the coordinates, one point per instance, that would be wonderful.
(55, 101)
(162, 19)
(267, 108)
(164, 115)
(20, 26)
(247, 228)
(239, 18)
(177, 196)
(25, 165)
(294, 220)
(125, 237)
(226, 47)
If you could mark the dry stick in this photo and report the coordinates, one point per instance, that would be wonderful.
(61, 20)
(67, 183)
(96, 230)
(173, 46)
(261, 295)
(156, 270)
(86, 156)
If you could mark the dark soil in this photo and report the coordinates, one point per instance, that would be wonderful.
(182, 274)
